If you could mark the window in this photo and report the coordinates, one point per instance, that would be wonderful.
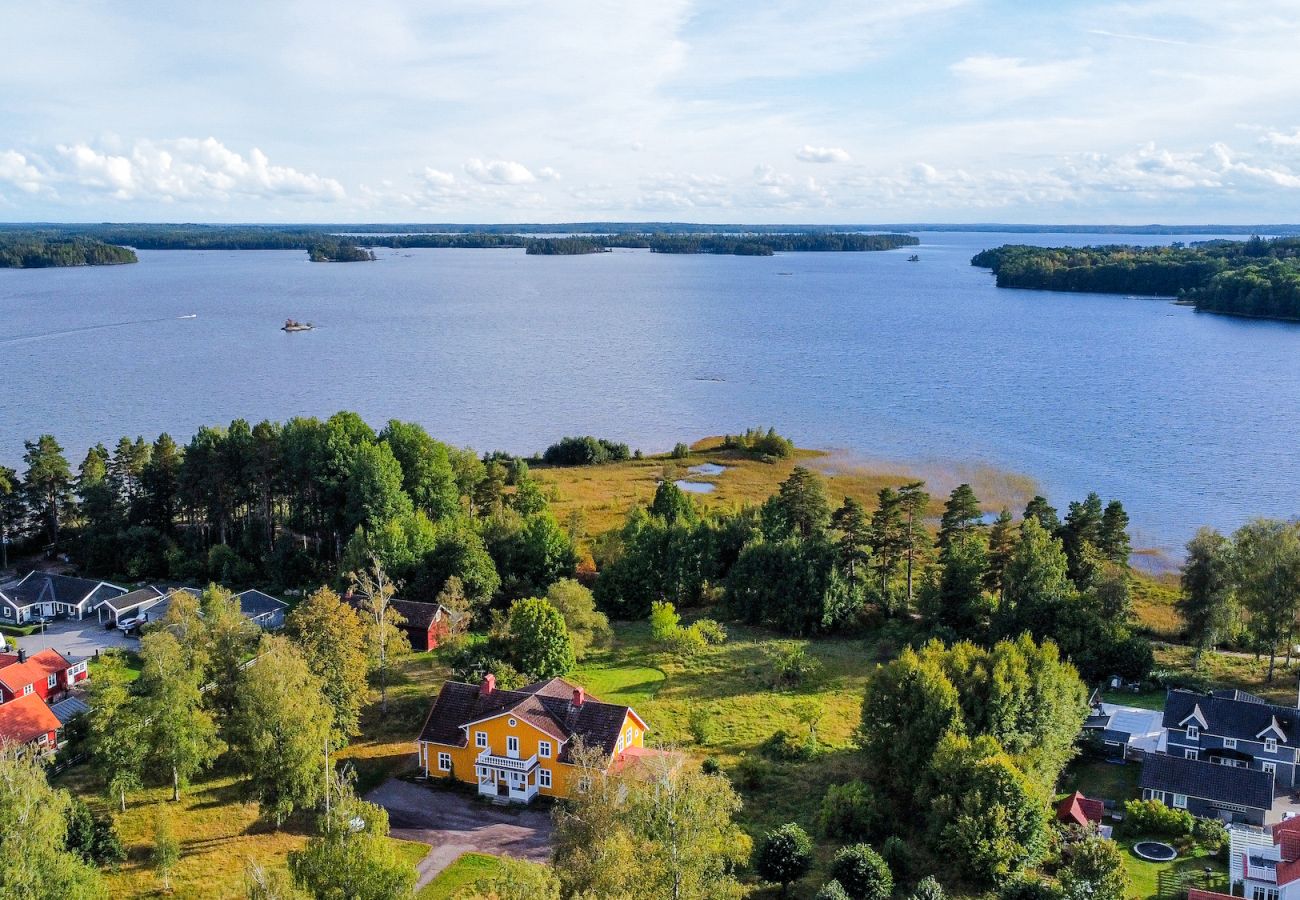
(512, 723)
(1270, 745)
(1229, 743)
(444, 762)
(619, 747)
(480, 739)
(584, 784)
(1180, 801)
(27, 690)
(544, 749)
(1191, 754)
(52, 680)
(512, 745)
(1270, 768)
(544, 778)
(1263, 893)
(1193, 733)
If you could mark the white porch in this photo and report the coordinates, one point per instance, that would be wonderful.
(505, 778)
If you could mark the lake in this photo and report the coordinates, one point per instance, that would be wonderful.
(1188, 418)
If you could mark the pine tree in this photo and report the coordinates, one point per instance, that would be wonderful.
(913, 499)
(854, 543)
(47, 482)
(961, 514)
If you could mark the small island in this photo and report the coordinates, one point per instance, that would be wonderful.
(22, 250)
(1259, 278)
(338, 251)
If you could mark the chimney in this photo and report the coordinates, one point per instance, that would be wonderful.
(489, 685)
(22, 655)
(579, 696)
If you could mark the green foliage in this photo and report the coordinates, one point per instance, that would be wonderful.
(180, 733)
(832, 890)
(928, 888)
(852, 811)
(1029, 887)
(1210, 834)
(332, 639)
(588, 629)
(862, 873)
(584, 451)
(680, 451)
(514, 879)
(1267, 577)
(37, 250)
(664, 622)
(1151, 817)
(337, 250)
(793, 666)
(783, 855)
(1207, 603)
(703, 725)
(760, 443)
(93, 837)
(539, 641)
(711, 630)
(1094, 870)
(166, 849)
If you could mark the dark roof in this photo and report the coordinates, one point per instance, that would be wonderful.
(130, 600)
(254, 603)
(1235, 694)
(417, 613)
(1115, 736)
(69, 708)
(46, 586)
(546, 705)
(1207, 780)
(1242, 717)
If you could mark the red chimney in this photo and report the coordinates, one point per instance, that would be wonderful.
(579, 695)
(489, 685)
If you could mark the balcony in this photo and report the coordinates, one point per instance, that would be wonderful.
(508, 763)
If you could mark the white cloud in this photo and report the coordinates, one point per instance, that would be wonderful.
(165, 171)
(1010, 77)
(1281, 139)
(809, 153)
(499, 171)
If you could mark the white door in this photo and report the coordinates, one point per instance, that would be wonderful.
(512, 747)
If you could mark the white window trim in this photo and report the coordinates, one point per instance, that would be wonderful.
(1180, 801)
(1270, 767)
(1193, 733)
(511, 722)
(53, 680)
(1270, 745)
(512, 745)
(444, 761)
(1229, 743)
(1191, 754)
(27, 689)
(584, 784)
(480, 739)
(544, 778)
(544, 749)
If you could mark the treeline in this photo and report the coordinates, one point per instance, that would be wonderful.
(292, 504)
(35, 251)
(1258, 277)
(800, 566)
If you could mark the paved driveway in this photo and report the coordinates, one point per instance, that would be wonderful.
(76, 639)
(453, 824)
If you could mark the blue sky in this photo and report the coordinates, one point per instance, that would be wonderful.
(1174, 111)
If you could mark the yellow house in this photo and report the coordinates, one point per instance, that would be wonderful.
(514, 745)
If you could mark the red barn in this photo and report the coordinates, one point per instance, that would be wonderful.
(426, 625)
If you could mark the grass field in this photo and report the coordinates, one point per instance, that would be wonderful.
(464, 871)
(603, 494)
(1148, 880)
(1102, 780)
(1223, 670)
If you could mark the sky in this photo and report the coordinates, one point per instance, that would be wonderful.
(1172, 111)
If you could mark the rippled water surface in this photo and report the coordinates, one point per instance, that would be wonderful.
(1188, 418)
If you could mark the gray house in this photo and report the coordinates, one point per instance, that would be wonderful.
(42, 595)
(1235, 729)
(1206, 789)
(262, 610)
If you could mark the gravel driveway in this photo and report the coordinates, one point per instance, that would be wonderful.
(76, 639)
(453, 824)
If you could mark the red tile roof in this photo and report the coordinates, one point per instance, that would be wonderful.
(25, 719)
(1079, 810)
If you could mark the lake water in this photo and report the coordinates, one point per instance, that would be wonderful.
(1189, 418)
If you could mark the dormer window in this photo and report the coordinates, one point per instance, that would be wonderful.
(1193, 732)
(1229, 743)
(1270, 745)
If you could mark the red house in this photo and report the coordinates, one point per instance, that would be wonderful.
(426, 625)
(46, 674)
(28, 720)
(1077, 809)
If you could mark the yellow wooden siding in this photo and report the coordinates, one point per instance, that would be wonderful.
(498, 729)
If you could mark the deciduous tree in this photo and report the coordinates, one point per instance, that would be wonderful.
(539, 641)
(332, 638)
(181, 734)
(1207, 601)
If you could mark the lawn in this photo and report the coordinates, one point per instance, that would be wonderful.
(464, 871)
(1222, 670)
(1148, 880)
(1102, 780)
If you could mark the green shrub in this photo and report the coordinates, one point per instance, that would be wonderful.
(752, 772)
(928, 888)
(898, 856)
(862, 873)
(703, 725)
(710, 766)
(794, 666)
(784, 855)
(851, 811)
(1210, 834)
(664, 621)
(832, 890)
(1028, 887)
(680, 451)
(711, 630)
(1154, 818)
(784, 746)
(685, 642)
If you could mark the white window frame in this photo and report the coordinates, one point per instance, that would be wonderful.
(584, 784)
(27, 689)
(618, 748)
(480, 740)
(444, 761)
(1180, 801)
(544, 749)
(1270, 745)
(1191, 754)
(544, 778)
(53, 680)
(1229, 743)
(511, 722)
(1193, 732)
(512, 745)
(1269, 767)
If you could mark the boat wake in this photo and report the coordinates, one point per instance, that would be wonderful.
(23, 338)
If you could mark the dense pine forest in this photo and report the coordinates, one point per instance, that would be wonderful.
(33, 251)
(1258, 277)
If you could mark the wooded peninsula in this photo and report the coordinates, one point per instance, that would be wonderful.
(1258, 277)
(28, 251)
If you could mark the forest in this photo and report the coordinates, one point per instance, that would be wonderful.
(34, 251)
(1258, 277)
